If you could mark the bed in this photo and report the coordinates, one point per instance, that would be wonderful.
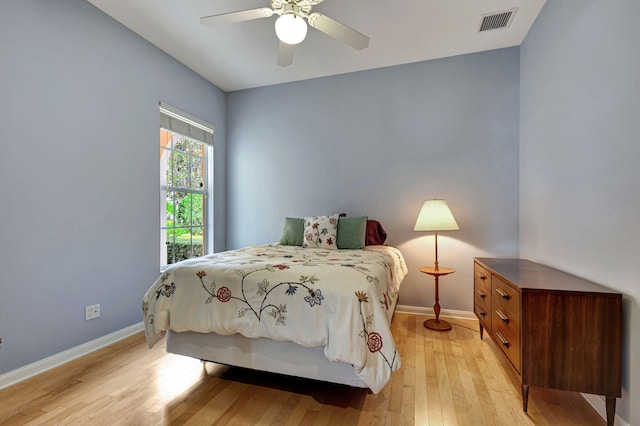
(307, 312)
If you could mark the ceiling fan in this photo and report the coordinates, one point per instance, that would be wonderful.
(291, 27)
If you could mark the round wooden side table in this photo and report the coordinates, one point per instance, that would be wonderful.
(437, 324)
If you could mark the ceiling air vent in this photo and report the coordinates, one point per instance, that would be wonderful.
(494, 21)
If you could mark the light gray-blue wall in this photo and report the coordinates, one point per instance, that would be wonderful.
(579, 154)
(379, 143)
(79, 172)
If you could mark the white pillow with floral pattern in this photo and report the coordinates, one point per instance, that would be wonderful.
(321, 232)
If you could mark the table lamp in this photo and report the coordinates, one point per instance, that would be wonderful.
(435, 216)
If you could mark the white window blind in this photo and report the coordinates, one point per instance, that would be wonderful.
(172, 119)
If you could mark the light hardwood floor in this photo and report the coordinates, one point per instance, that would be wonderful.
(447, 378)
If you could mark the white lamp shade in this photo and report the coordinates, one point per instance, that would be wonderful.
(291, 29)
(435, 215)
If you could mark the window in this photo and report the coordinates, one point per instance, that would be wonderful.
(185, 153)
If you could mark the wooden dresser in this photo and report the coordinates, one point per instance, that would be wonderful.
(555, 329)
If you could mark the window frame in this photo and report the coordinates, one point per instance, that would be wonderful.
(185, 125)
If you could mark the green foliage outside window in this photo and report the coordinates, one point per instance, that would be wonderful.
(189, 212)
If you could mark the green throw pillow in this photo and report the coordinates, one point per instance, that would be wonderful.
(351, 232)
(293, 231)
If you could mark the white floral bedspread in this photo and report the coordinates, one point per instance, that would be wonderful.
(339, 299)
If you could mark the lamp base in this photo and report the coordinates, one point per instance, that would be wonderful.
(437, 324)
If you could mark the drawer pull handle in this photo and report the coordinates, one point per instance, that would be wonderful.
(481, 276)
(502, 316)
(502, 293)
(504, 341)
(481, 312)
(481, 294)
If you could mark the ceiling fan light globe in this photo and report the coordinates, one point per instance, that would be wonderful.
(291, 29)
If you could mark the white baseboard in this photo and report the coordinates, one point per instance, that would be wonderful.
(421, 310)
(23, 373)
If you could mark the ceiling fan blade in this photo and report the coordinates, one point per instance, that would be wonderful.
(308, 2)
(285, 54)
(232, 17)
(339, 31)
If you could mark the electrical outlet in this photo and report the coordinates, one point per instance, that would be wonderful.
(91, 312)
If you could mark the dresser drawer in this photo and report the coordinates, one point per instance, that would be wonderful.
(483, 312)
(504, 294)
(506, 329)
(482, 297)
(482, 279)
(480, 300)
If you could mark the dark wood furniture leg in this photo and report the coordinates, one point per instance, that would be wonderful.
(611, 410)
(525, 397)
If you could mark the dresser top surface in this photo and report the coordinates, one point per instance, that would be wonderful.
(533, 276)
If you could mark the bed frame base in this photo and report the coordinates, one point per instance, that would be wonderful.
(264, 355)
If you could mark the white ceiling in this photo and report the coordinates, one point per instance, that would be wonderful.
(243, 55)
